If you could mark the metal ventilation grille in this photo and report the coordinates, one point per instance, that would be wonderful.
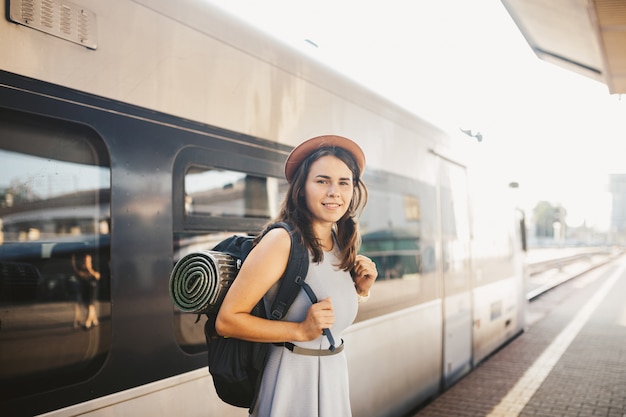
(60, 18)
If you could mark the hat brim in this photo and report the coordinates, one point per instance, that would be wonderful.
(300, 152)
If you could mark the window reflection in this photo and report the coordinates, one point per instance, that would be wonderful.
(395, 251)
(398, 233)
(54, 254)
(221, 193)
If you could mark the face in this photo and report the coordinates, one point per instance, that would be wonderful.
(328, 190)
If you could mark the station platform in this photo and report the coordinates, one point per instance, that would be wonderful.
(570, 361)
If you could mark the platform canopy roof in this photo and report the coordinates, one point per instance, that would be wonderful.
(585, 36)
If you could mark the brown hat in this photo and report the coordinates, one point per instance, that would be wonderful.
(300, 152)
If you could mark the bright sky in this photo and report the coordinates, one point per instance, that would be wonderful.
(465, 64)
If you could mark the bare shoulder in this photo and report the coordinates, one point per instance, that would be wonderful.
(275, 241)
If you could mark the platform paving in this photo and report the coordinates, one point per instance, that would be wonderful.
(570, 361)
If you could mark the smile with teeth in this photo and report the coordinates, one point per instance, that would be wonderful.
(331, 205)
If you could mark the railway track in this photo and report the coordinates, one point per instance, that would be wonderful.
(546, 273)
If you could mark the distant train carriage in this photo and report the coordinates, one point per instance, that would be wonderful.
(140, 130)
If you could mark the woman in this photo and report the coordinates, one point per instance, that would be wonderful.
(325, 194)
(88, 279)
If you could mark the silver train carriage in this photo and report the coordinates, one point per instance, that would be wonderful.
(135, 131)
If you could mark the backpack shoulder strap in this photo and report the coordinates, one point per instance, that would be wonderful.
(295, 273)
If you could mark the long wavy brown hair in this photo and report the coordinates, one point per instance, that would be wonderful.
(294, 209)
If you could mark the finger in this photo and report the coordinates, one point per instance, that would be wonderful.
(364, 264)
(363, 273)
(326, 304)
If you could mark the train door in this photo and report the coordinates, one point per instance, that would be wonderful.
(456, 272)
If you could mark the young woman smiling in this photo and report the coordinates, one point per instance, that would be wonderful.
(303, 377)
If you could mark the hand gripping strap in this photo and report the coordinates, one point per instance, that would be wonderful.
(326, 332)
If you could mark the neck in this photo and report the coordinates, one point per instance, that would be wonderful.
(324, 233)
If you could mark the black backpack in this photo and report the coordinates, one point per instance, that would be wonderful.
(237, 365)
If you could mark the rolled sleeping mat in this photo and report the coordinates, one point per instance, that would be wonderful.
(200, 280)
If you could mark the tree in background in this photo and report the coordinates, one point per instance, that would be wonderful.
(548, 220)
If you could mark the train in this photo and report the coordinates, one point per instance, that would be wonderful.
(133, 132)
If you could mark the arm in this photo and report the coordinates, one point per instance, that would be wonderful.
(85, 270)
(89, 267)
(262, 269)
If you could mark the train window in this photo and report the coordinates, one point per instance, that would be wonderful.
(222, 193)
(398, 229)
(54, 254)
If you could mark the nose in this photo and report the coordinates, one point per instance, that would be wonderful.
(332, 191)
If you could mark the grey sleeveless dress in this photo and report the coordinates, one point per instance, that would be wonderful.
(311, 386)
